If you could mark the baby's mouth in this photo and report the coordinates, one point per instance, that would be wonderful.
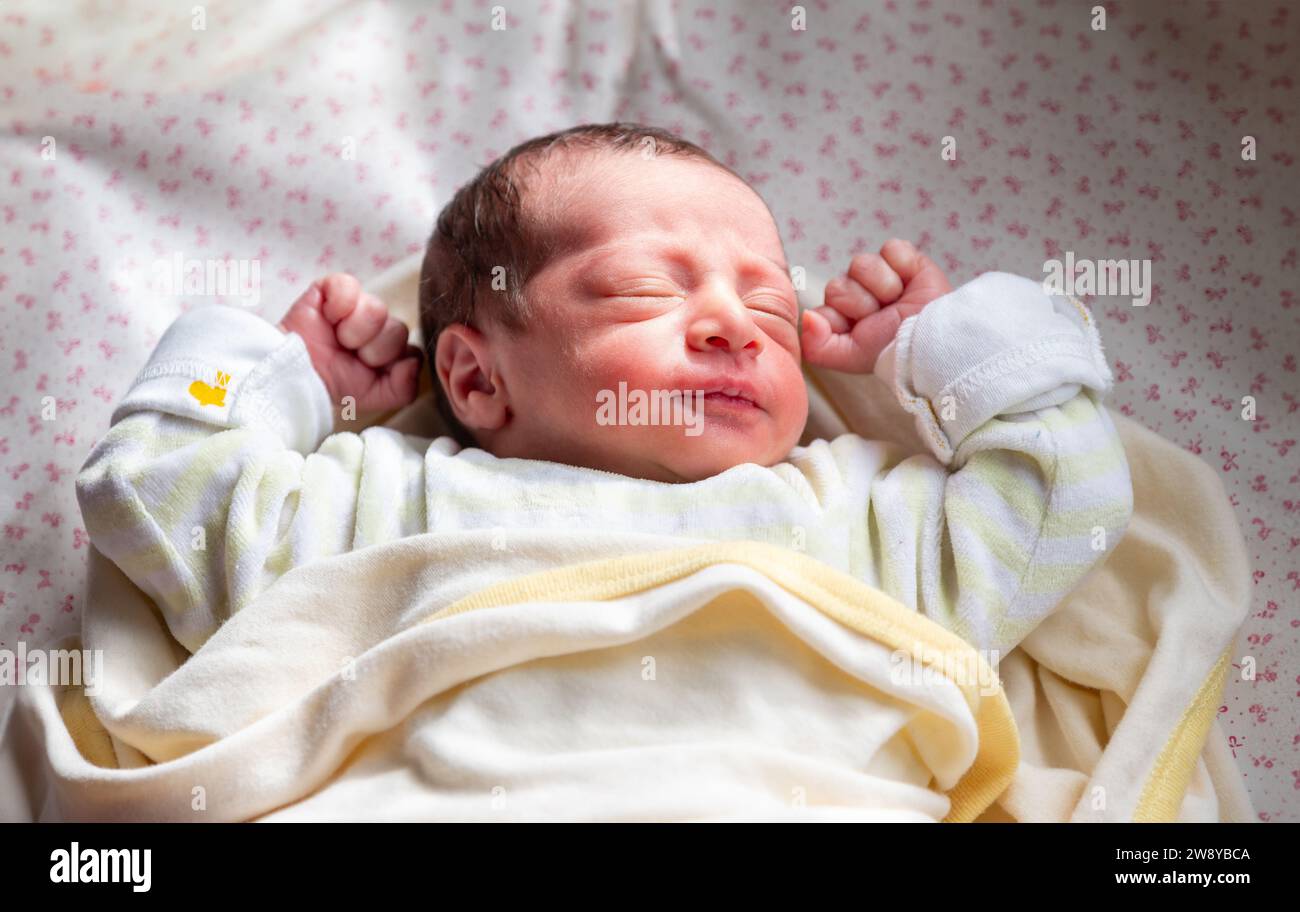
(730, 393)
(723, 391)
(731, 397)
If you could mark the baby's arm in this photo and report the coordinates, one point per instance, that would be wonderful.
(208, 485)
(1026, 486)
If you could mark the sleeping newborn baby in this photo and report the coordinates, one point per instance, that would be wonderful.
(596, 263)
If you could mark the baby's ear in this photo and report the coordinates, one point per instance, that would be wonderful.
(464, 365)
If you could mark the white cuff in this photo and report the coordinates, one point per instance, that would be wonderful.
(997, 345)
(231, 368)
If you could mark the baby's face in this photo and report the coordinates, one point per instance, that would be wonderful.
(677, 284)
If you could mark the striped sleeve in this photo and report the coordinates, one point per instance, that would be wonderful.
(216, 476)
(1026, 486)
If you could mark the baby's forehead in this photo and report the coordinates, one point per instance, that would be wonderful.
(603, 171)
(582, 195)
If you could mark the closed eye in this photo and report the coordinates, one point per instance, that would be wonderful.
(776, 305)
(646, 293)
(643, 288)
(763, 305)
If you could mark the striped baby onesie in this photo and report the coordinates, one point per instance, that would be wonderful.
(220, 473)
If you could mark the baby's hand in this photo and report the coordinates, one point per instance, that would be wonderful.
(356, 347)
(865, 307)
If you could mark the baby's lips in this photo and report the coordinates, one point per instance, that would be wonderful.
(732, 386)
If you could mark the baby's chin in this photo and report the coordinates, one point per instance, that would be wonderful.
(684, 459)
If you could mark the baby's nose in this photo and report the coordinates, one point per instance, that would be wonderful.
(723, 323)
(726, 344)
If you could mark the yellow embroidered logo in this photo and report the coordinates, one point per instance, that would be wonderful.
(211, 395)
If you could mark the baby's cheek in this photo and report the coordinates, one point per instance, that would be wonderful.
(595, 375)
(792, 393)
(638, 362)
(784, 334)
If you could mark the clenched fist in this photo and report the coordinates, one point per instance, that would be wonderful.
(865, 307)
(356, 347)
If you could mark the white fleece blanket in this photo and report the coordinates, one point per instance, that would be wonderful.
(715, 692)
